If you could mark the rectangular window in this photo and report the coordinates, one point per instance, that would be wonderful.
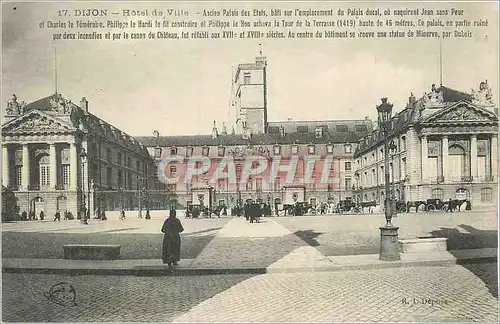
(205, 150)
(295, 149)
(157, 152)
(120, 179)
(277, 184)
(329, 148)
(246, 78)
(403, 143)
(348, 148)
(221, 151)
(258, 184)
(277, 150)
(65, 176)
(173, 151)
(348, 166)
(108, 154)
(18, 175)
(249, 184)
(221, 185)
(311, 149)
(44, 175)
(138, 165)
(189, 151)
(119, 158)
(348, 184)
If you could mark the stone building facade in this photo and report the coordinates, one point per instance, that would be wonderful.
(445, 146)
(317, 142)
(57, 155)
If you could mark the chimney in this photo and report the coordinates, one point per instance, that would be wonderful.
(84, 105)
(224, 129)
(367, 118)
(214, 131)
(282, 131)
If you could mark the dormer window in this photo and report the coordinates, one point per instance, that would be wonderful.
(157, 152)
(329, 148)
(205, 150)
(246, 78)
(173, 150)
(348, 148)
(311, 149)
(277, 150)
(189, 151)
(295, 149)
(221, 151)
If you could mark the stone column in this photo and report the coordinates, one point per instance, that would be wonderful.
(73, 167)
(494, 157)
(26, 167)
(5, 166)
(424, 151)
(53, 166)
(444, 158)
(473, 157)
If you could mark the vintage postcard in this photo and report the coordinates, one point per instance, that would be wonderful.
(241, 161)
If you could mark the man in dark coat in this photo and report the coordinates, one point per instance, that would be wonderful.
(172, 228)
(57, 216)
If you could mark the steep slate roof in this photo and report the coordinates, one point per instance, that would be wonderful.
(91, 122)
(331, 126)
(256, 139)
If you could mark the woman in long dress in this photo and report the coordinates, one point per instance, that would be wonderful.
(172, 228)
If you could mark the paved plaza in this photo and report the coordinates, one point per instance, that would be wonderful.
(408, 293)
(420, 294)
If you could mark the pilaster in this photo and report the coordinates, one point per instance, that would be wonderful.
(53, 165)
(444, 158)
(473, 157)
(25, 182)
(5, 166)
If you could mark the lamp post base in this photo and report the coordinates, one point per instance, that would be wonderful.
(389, 246)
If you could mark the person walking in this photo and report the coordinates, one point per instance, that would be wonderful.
(57, 216)
(122, 214)
(171, 229)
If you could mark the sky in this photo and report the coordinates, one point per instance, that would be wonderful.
(181, 87)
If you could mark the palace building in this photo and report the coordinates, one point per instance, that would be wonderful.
(57, 155)
(444, 145)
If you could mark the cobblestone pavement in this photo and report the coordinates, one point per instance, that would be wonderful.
(420, 294)
(432, 294)
(359, 234)
(139, 239)
(108, 298)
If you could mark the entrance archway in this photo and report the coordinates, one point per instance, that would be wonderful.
(37, 204)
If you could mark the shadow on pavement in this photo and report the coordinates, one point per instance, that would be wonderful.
(203, 231)
(484, 269)
(309, 237)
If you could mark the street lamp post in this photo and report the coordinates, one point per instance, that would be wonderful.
(389, 249)
(83, 212)
(392, 149)
(139, 189)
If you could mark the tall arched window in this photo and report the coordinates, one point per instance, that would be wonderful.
(437, 193)
(486, 195)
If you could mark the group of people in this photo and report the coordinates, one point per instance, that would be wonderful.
(41, 216)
